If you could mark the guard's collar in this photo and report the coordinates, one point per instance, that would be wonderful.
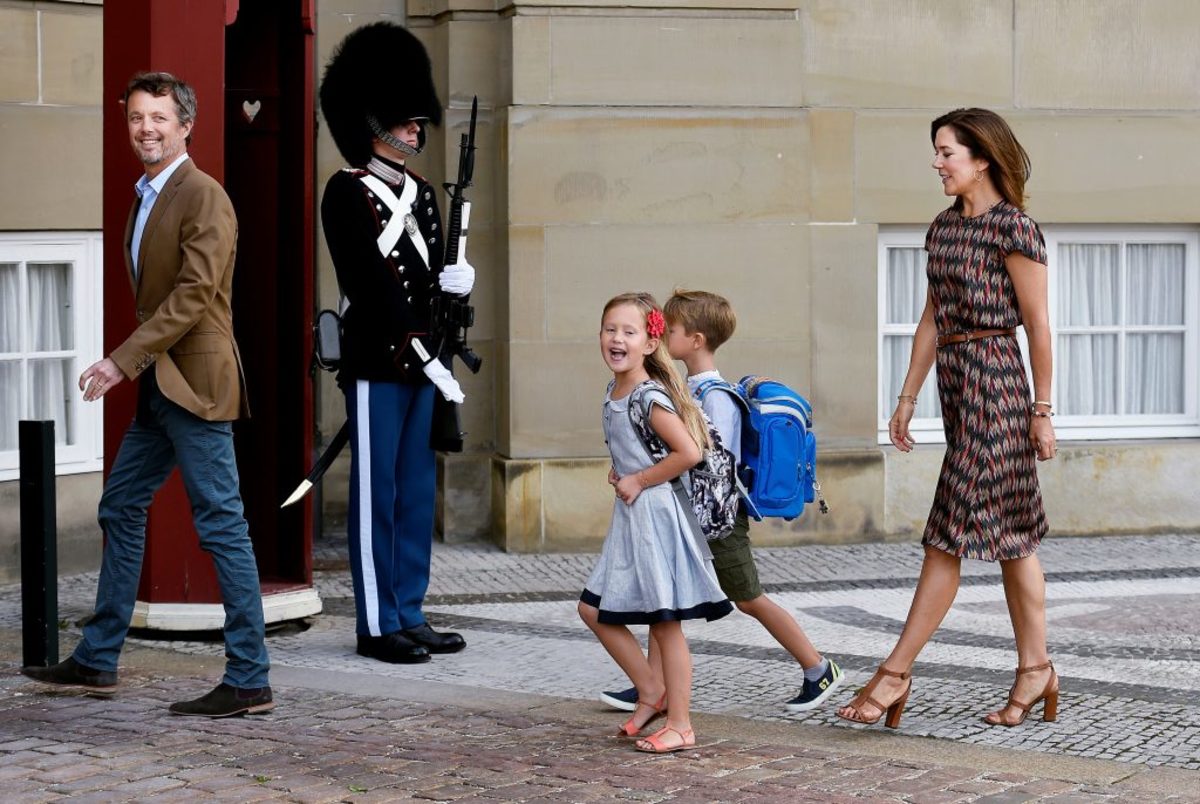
(387, 170)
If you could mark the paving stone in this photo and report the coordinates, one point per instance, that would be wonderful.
(1128, 654)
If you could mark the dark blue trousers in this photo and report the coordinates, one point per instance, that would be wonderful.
(162, 437)
(392, 484)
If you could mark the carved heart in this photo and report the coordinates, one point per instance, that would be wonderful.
(250, 110)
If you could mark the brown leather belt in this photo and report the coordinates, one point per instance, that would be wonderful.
(962, 337)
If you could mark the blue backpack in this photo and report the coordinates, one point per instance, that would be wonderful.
(778, 467)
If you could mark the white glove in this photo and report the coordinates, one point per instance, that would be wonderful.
(457, 279)
(444, 380)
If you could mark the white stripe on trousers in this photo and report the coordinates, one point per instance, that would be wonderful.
(366, 516)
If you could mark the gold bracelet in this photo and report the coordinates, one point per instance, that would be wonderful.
(1041, 414)
(907, 398)
(1040, 402)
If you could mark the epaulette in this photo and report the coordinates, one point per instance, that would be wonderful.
(354, 171)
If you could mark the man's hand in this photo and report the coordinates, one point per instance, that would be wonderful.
(99, 378)
(457, 279)
(444, 380)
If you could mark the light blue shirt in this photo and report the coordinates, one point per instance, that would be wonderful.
(148, 190)
(722, 411)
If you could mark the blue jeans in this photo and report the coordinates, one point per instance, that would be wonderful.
(162, 436)
(390, 517)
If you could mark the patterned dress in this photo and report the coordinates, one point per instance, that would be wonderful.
(988, 504)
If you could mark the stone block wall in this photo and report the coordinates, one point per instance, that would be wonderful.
(50, 169)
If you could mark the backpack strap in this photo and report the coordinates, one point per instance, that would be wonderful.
(639, 417)
(716, 384)
(720, 384)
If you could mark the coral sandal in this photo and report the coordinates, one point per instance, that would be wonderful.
(654, 743)
(1049, 695)
(630, 728)
(893, 710)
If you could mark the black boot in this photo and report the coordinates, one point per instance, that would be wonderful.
(445, 642)
(70, 673)
(225, 701)
(393, 648)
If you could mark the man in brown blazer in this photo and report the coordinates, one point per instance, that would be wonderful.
(180, 244)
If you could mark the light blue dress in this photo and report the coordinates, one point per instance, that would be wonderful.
(652, 567)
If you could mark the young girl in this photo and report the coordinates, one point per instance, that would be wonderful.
(653, 568)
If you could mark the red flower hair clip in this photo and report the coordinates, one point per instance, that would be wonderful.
(656, 325)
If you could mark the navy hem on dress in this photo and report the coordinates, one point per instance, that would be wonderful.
(709, 611)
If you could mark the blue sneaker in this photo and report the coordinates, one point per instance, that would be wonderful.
(626, 700)
(814, 693)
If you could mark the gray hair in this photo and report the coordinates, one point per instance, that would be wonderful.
(162, 84)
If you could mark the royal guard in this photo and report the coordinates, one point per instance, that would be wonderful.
(384, 233)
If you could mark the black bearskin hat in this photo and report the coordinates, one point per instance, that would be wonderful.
(382, 71)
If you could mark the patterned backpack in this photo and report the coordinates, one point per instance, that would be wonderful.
(713, 499)
(779, 449)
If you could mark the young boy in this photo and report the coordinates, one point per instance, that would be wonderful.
(698, 323)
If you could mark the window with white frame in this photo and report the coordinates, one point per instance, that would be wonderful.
(1125, 317)
(50, 330)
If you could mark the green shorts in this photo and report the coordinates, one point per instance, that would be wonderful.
(734, 563)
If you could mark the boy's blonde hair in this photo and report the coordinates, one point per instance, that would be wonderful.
(700, 311)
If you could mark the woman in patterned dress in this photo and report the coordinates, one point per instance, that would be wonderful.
(987, 275)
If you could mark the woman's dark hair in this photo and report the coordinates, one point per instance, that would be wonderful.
(985, 134)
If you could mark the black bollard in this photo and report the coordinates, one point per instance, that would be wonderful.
(39, 545)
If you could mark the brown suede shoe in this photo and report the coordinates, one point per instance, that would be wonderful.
(226, 701)
(70, 673)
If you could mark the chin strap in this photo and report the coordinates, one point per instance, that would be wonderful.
(387, 138)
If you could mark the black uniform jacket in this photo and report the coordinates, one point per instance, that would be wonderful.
(390, 295)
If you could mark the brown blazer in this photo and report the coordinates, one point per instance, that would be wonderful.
(183, 295)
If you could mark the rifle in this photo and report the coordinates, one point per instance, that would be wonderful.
(453, 316)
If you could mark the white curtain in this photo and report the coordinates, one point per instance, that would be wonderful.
(50, 330)
(1091, 365)
(1154, 371)
(1089, 295)
(10, 346)
(907, 287)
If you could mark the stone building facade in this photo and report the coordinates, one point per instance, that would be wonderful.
(775, 151)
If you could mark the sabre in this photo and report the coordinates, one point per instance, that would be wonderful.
(322, 464)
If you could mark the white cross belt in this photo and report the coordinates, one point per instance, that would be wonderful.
(402, 221)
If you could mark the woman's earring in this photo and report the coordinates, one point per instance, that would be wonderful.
(979, 175)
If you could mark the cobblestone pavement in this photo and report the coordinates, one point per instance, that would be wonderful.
(1124, 626)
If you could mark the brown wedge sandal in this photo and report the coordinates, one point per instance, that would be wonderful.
(893, 710)
(1049, 695)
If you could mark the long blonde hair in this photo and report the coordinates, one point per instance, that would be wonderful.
(660, 367)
